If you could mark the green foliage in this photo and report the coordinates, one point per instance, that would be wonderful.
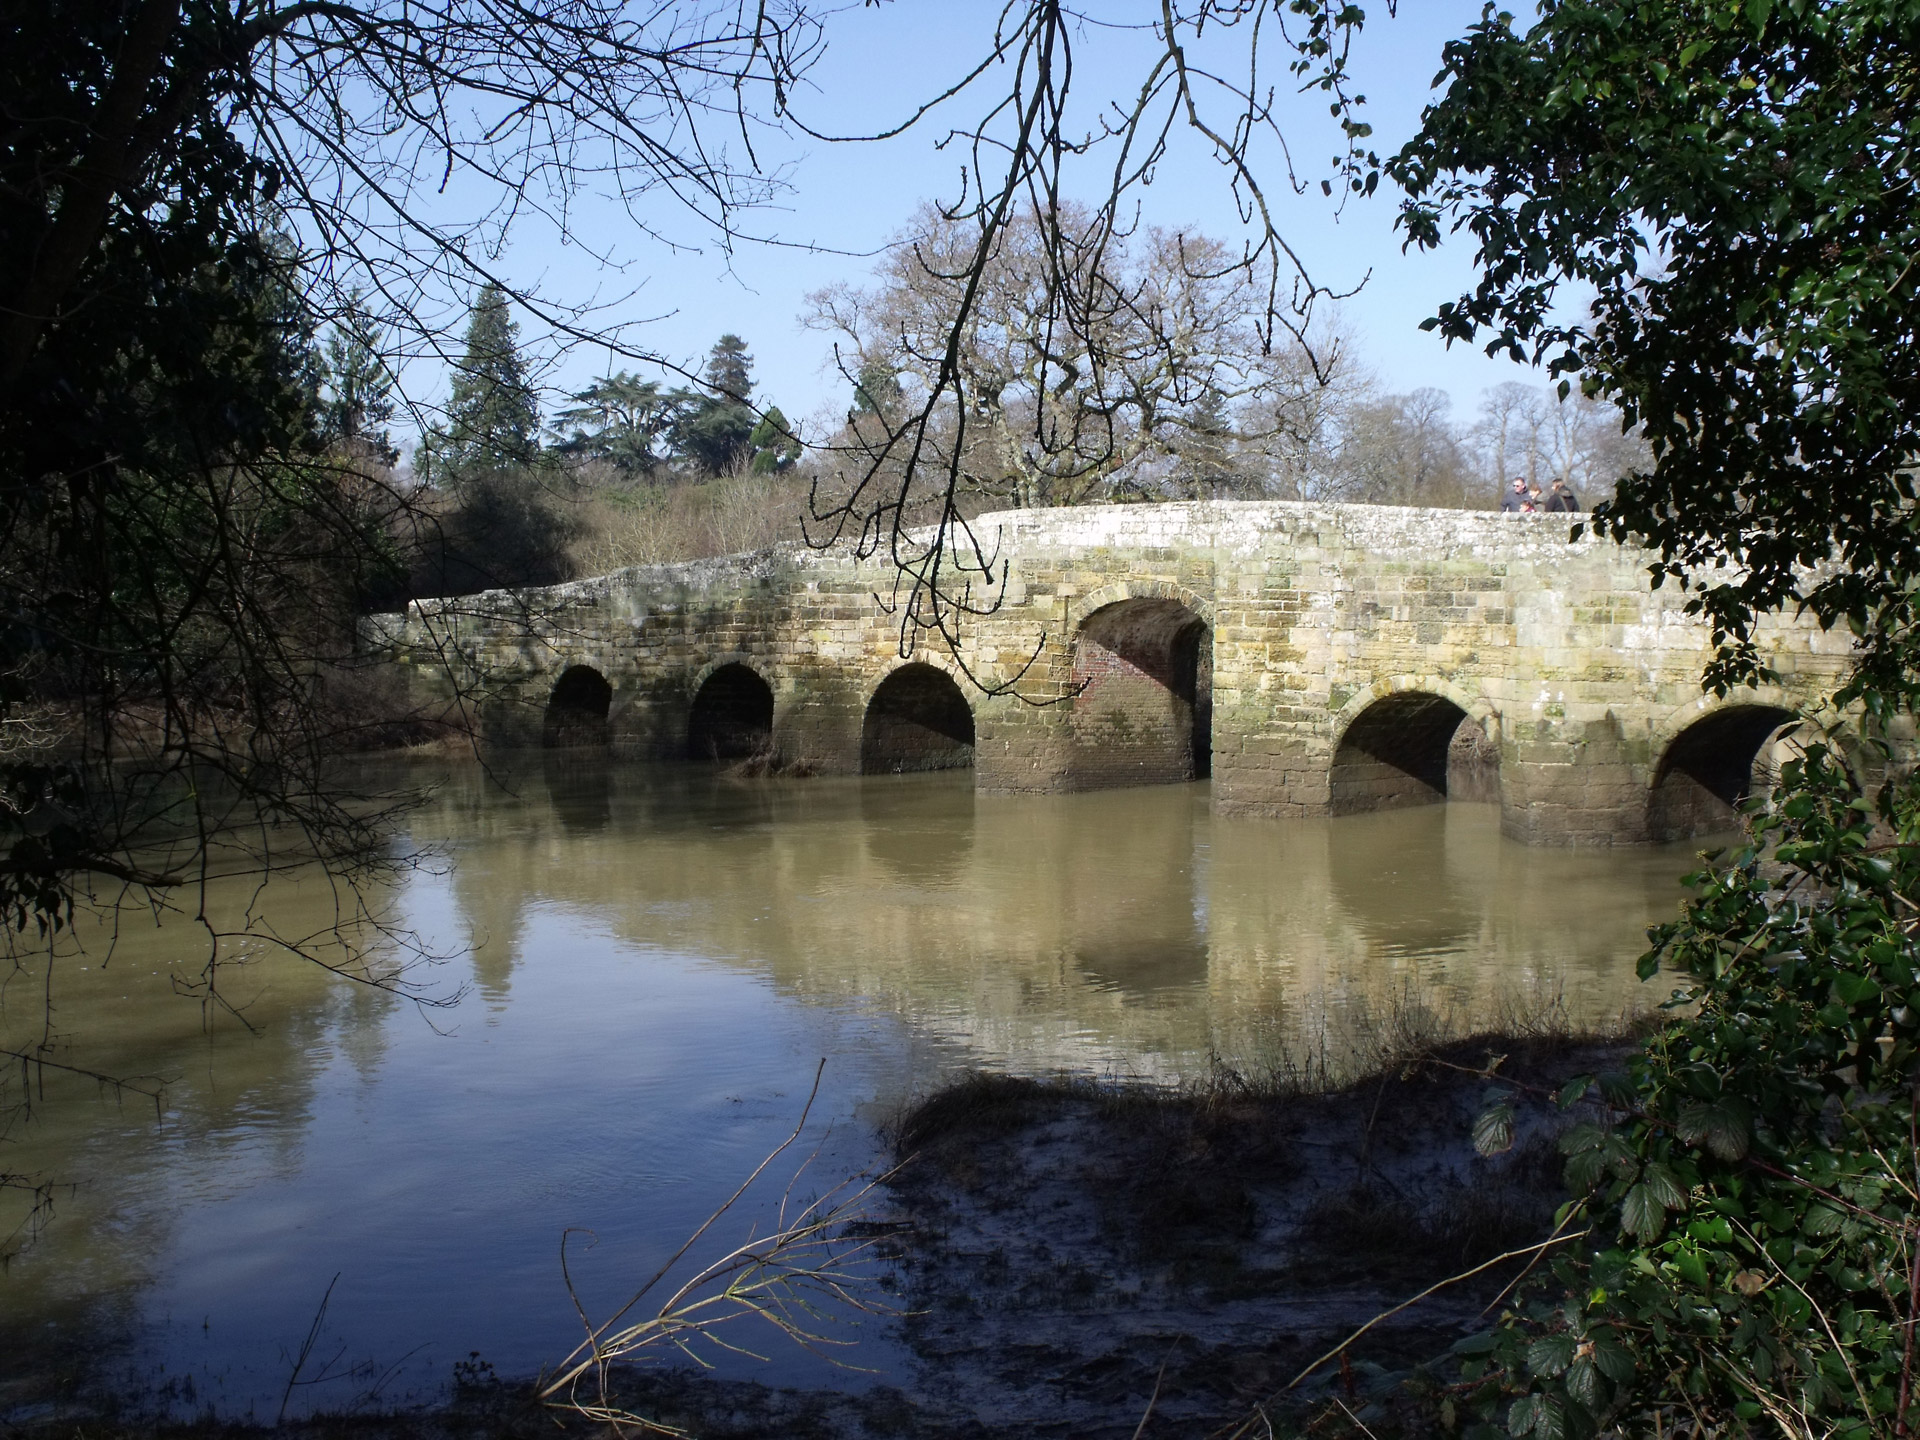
(1735, 182)
(637, 428)
(713, 432)
(172, 542)
(876, 390)
(1747, 1188)
(493, 418)
(730, 369)
(359, 385)
(618, 421)
(507, 532)
(774, 445)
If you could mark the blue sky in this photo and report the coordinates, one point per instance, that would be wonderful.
(880, 61)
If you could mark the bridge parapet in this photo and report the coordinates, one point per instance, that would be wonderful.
(1312, 658)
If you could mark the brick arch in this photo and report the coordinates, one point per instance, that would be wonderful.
(1142, 673)
(736, 722)
(938, 659)
(1666, 728)
(759, 664)
(1476, 707)
(1106, 595)
(1670, 726)
(908, 724)
(578, 708)
(1393, 746)
(1690, 794)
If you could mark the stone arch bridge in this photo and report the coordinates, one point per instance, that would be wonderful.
(1312, 659)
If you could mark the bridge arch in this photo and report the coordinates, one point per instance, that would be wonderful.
(731, 717)
(1096, 600)
(1412, 740)
(1143, 687)
(1707, 764)
(916, 719)
(578, 708)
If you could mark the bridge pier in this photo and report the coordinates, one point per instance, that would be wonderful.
(1573, 783)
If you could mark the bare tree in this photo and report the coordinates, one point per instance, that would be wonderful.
(1529, 432)
(1507, 432)
(1401, 450)
(1146, 374)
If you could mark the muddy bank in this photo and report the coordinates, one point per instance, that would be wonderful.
(1068, 1254)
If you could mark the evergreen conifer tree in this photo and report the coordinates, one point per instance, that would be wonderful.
(730, 369)
(775, 446)
(875, 391)
(493, 418)
(359, 401)
(617, 420)
(716, 431)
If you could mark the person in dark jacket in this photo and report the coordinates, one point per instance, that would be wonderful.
(1562, 500)
(1515, 498)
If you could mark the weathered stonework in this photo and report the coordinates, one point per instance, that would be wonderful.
(1579, 676)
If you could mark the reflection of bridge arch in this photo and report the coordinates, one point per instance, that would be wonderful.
(1143, 692)
(1707, 769)
(917, 719)
(577, 709)
(732, 714)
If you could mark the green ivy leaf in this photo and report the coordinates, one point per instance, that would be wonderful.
(1855, 989)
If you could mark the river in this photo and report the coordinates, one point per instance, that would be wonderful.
(639, 970)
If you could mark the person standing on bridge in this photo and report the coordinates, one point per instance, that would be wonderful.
(1515, 500)
(1561, 500)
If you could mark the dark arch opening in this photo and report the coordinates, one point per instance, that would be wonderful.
(918, 719)
(1143, 705)
(732, 716)
(1397, 751)
(1708, 770)
(577, 709)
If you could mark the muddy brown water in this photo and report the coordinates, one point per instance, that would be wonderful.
(641, 968)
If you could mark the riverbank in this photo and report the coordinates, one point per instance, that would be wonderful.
(1071, 1256)
(1095, 1260)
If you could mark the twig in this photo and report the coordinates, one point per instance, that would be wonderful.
(306, 1348)
(1437, 1285)
(1154, 1398)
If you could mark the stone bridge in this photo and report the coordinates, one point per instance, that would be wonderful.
(1312, 659)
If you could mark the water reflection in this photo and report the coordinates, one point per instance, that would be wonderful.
(580, 786)
(656, 959)
(1123, 929)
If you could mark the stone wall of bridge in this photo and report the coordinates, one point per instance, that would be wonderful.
(1312, 659)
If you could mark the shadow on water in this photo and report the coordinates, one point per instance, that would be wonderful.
(580, 788)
